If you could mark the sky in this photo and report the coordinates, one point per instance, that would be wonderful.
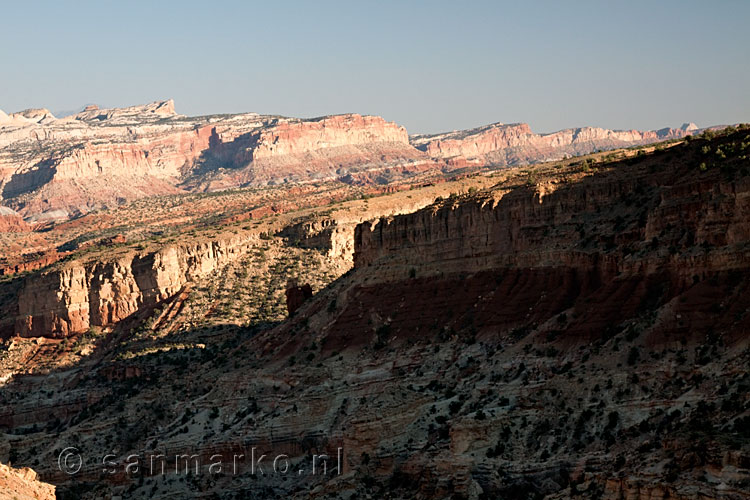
(428, 65)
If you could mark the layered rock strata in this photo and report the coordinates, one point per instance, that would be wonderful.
(73, 297)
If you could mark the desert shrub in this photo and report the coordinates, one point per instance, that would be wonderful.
(633, 356)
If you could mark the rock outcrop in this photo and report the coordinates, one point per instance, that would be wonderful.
(23, 484)
(40, 115)
(137, 113)
(11, 221)
(29, 262)
(73, 297)
(334, 236)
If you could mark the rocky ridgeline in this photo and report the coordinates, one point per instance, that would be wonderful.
(511, 144)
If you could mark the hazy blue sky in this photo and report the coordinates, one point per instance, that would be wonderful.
(430, 66)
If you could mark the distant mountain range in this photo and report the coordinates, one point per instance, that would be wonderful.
(57, 167)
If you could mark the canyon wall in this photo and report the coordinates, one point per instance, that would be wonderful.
(72, 297)
(104, 288)
(574, 312)
(514, 228)
(621, 239)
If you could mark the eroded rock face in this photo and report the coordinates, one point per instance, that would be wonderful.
(501, 144)
(31, 263)
(319, 149)
(74, 297)
(638, 235)
(293, 138)
(513, 229)
(334, 236)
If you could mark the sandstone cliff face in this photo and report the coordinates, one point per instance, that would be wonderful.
(336, 237)
(511, 229)
(301, 137)
(156, 156)
(500, 144)
(288, 150)
(475, 143)
(74, 297)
